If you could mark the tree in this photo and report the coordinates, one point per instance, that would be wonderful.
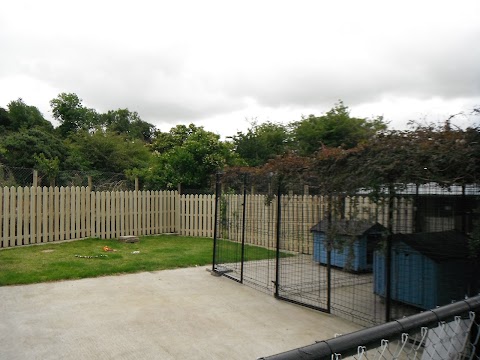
(165, 141)
(262, 143)
(123, 121)
(396, 158)
(107, 152)
(5, 121)
(188, 156)
(143, 130)
(334, 129)
(47, 167)
(23, 116)
(21, 147)
(72, 115)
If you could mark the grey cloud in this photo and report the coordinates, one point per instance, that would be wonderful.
(194, 67)
(448, 70)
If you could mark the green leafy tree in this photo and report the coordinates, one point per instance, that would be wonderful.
(143, 130)
(21, 147)
(5, 121)
(165, 141)
(262, 143)
(23, 116)
(128, 123)
(72, 115)
(107, 152)
(47, 167)
(3, 152)
(187, 155)
(334, 129)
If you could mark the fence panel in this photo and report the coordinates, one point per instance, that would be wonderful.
(30, 215)
(196, 215)
(6, 216)
(26, 216)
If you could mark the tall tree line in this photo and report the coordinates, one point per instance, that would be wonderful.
(334, 143)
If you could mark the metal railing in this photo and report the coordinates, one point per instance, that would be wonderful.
(447, 332)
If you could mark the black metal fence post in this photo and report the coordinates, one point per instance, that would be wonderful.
(278, 225)
(388, 257)
(244, 211)
(329, 253)
(218, 194)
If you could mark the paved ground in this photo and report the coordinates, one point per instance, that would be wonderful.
(302, 279)
(175, 314)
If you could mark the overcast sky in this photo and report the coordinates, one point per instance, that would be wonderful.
(220, 64)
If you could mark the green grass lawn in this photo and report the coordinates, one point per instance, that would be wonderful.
(81, 259)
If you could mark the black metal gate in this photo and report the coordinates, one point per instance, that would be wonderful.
(256, 243)
(239, 252)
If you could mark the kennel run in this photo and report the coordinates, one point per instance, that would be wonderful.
(369, 260)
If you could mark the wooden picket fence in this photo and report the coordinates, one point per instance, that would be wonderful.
(196, 215)
(32, 215)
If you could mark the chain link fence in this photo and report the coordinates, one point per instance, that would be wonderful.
(455, 338)
(97, 180)
(445, 333)
(13, 176)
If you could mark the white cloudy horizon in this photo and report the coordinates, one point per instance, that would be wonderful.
(221, 64)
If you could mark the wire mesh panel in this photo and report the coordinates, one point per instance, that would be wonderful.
(369, 257)
(301, 279)
(260, 237)
(228, 233)
(356, 234)
(245, 247)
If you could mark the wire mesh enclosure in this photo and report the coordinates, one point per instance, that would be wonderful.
(368, 257)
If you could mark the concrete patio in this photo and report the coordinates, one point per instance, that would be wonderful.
(174, 314)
